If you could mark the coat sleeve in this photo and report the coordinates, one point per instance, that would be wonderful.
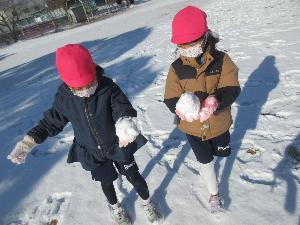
(52, 124)
(228, 88)
(173, 90)
(121, 106)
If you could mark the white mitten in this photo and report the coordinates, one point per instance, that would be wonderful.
(188, 107)
(126, 130)
(19, 153)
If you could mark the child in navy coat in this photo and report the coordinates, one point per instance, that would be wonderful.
(104, 124)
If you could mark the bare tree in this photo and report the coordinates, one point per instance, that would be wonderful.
(9, 16)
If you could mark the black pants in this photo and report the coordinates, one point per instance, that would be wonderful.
(206, 150)
(135, 179)
(106, 173)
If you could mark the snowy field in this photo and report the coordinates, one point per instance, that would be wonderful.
(261, 36)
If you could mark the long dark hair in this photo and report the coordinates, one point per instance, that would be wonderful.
(211, 44)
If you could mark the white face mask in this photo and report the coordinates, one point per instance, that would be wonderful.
(193, 51)
(86, 92)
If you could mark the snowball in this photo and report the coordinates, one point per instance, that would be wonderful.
(126, 129)
(189, 106)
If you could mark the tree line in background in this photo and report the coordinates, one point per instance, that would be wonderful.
(12, 11)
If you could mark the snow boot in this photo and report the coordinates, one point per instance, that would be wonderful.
(120, 215)
(216, 204)
(151, 211)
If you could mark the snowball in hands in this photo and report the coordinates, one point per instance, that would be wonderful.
(21, 150)
(126, 130)
(188, 107)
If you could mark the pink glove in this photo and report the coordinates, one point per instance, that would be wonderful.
(179, 114)
(209, 106)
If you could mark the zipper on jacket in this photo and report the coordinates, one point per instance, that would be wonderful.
(93, 131)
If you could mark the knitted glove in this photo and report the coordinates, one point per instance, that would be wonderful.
(126, 130)
(21, 150)
(179, 114)
(188, 107)
(209, 106)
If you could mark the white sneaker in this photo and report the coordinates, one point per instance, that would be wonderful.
(216, 203)
(120, 215)
(151, 211)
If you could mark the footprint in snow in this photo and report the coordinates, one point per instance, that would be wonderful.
(49, 212)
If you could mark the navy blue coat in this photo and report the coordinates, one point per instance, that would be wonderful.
(93, 120)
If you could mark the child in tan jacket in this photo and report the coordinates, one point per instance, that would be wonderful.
(200, 88)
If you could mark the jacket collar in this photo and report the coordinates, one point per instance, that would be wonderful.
(200, 63)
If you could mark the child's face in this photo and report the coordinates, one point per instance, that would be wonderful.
(85, 91)
(83, 88)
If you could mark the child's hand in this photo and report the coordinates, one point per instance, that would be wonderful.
(126, 130)
(19, 154)
(179, 114)
(123, 143)
(210, 105)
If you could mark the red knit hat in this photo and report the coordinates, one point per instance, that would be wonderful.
(188, 25)
(75, 65)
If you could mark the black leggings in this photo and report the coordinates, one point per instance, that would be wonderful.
(135, 179)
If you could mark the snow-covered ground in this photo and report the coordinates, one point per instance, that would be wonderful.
(263, 38)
